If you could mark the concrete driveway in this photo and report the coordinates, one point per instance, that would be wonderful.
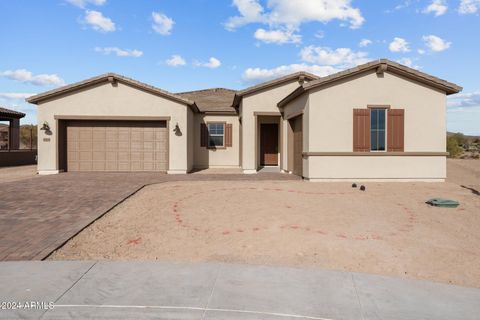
(154, 290)
(39, 214)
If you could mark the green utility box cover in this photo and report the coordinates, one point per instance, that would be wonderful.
(446, 203)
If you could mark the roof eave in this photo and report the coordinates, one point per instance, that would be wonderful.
(109, 77)
(292, 96)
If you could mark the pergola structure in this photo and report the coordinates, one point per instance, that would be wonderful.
(13, 117)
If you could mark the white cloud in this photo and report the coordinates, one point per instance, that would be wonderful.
(83, 3)
(98, 21)
(162, 24)
(341, 57)
(291, 14)
(437, 7)
(255, 75)
(175, 61)
(212, 63)
(15, 95)
(435, 43)
(277, 36)
(399, 45)
(120, 52)
(421, 51)
(26, 76)
(365, 42)
(462, 100)
(408, 62)
(469, 6)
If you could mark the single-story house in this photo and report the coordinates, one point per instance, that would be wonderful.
(377, 121)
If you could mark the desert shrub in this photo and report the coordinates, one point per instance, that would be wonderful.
(461, 140)
(453, 147)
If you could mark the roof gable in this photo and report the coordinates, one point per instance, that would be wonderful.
(379, 66)
(272, 83)
(105, 78)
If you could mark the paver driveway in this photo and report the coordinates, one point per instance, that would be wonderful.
(40, 214)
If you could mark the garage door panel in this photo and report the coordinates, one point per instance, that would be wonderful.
(111, 145)
(85, 145)
(117, 146)
(111, 166)
(123, 166)
(99, 145)
(111, 156)
(85, 166)
(85, 156)
(98, 166)
(98, 134)
(85, 134)
(98, 156)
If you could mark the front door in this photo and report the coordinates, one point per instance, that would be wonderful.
(269, 144)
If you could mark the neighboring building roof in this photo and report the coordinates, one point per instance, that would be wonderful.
(215, 100)
(7, 113)
(264, 85)
(380, 66)
(109, 77)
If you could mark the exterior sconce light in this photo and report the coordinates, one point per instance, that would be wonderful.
(45, 126)
(177, 130)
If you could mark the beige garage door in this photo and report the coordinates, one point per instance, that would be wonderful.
(117, 146)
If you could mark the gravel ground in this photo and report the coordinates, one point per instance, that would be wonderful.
(388, 229)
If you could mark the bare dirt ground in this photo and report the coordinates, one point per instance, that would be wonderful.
(8, 174)
(388, 229)
(464, 173)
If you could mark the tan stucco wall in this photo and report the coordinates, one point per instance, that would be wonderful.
(331, 128)
(190, 139)
(108, 100)
(261, 101)
(429, 168)
(331, 110)
(210, 158)
(296, 107)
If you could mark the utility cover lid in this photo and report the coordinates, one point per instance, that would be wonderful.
(445, 203)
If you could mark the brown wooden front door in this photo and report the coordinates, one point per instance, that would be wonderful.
(269, 144)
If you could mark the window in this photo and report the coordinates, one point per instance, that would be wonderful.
(216, 135)
(377, 129)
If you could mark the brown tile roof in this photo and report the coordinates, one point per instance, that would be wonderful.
(109, 77)
(11, 113)
(381, 66)
(212, 100)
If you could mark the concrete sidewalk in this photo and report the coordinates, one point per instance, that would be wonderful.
(155, 290)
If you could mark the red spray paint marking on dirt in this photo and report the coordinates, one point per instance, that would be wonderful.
(404, 228)
(134, 241)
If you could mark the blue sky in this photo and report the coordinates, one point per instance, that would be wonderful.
(195, 44)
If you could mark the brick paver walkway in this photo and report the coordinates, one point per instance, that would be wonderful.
(38, 215)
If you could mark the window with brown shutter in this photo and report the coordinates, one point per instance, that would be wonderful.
(228, 135)
(203, 135)
(395, 130)
(361, 130)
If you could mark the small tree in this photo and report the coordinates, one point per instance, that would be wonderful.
(453, 147)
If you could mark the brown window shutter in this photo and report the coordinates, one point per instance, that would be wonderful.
(228, 135)
(395, 130)
(203, 135)
(361, 130)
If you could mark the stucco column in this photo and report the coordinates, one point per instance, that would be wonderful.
(14, 134)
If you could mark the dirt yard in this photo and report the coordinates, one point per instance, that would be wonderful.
(388, 229)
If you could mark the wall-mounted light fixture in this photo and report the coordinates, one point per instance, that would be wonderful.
(177, 130)
(45, 126)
